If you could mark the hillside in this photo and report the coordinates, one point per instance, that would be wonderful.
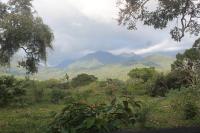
(162, 60)
(102, 64)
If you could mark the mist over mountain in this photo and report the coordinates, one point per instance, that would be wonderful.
(102, 58)
(103, 64)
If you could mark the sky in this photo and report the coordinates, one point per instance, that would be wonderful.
(85, 26)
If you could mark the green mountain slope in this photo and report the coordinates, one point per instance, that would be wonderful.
(98, 68)
(163, 61)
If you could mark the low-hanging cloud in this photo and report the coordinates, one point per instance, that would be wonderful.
(91, 25)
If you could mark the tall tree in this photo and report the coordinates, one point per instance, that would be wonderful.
(22, 29)
(184, 14)
(188, 63)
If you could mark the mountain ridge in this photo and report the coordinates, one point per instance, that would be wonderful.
(103, 58)
(102, 64)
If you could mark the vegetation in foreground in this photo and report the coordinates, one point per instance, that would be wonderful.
(148, 99)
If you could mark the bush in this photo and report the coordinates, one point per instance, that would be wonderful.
(190, 110)
(102, 118)
(118, 84)
(57, 95)
(148, 79)
(136, 86)
(56, 84)
(142, 73)
(178, 78)
(186, 103)
(11, 90)
(142, 116)
(157, 86)
(38, 94)
(83, 79)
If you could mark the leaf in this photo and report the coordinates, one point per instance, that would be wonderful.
(64, 131)
(73, 130)
(114, 100)
(125, 104)
(90, 122)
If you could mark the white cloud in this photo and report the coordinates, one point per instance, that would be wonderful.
(102, 10)
(164, 46)
(99, 10)
(83, 26)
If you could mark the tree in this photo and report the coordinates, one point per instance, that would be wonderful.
(187, 66)
(142, 73)
(157, 86)
(67, 77)
(82, 80)
(184, 14)
(22, 29)
(11, 90)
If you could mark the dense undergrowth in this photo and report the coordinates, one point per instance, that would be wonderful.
(149, 99)
(41, 102)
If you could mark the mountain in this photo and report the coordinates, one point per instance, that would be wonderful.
(99, 57)
(162, 60)
(92, 63)
(102, 58)
(102, 64)
(64, 63)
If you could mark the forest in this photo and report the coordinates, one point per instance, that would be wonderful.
(148, 99)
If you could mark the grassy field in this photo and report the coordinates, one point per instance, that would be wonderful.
(35, 117)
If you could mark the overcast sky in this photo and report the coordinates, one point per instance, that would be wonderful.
(84, 26)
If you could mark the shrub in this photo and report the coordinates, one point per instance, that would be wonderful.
(190, 110)
(157, 86)
(56, 84)
(57, 95)
(112, 85)
(142, 73)
(102, 118)
(136, 86)
(142, 116)
(147, 79)
(178, 78)
(38, 94)
(83, 79)
(11, 90)
(186, 103)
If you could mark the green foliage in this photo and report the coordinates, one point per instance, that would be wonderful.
(101, 118)
(190, 110)
(56, 84)
(67, 77)
(143, 116)
(56, 96)
(38, 94)
(191, 54)
(178, 78)
(161, 15)
(112, 86)
(186, 68)
(11, 90)
(142, 73)
(187, 101)
(157, 86)
(21, 28)
(83, 79)
(112, 82)
(149, 79)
